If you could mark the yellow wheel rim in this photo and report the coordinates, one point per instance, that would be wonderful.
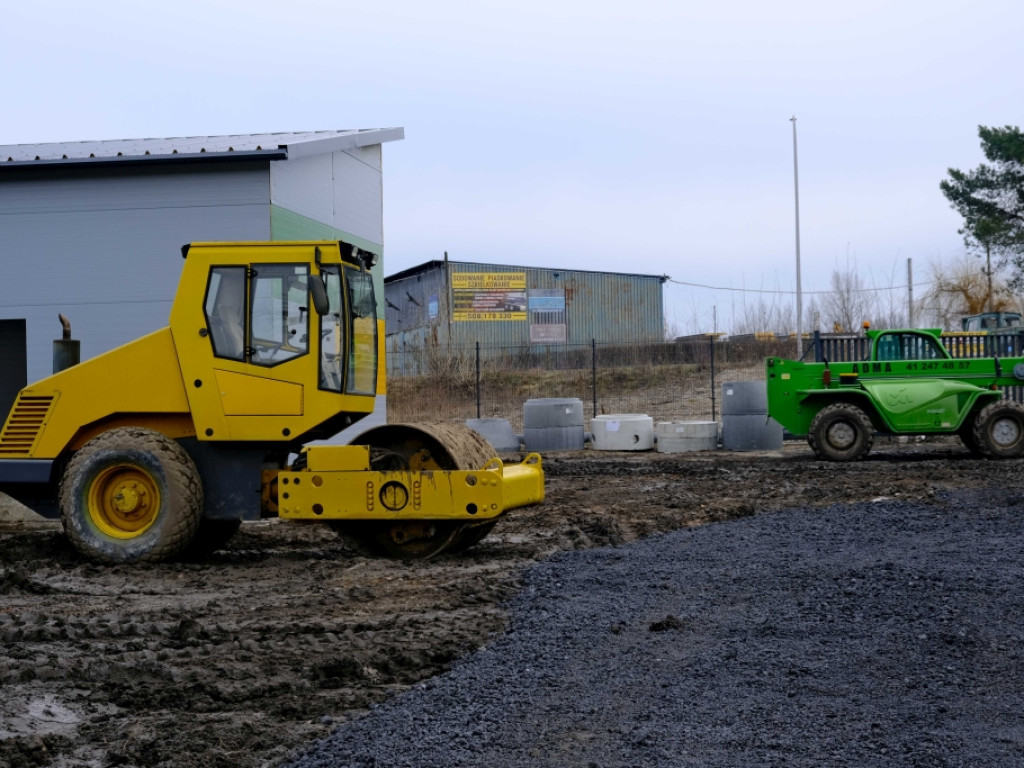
(123, 501)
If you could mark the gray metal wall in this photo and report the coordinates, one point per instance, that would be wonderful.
(408, 301)
(105, 249)
(343, 190)
(607, 307)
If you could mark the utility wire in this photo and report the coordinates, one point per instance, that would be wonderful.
(792, 293)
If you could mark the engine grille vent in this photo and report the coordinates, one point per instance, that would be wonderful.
(24, 425)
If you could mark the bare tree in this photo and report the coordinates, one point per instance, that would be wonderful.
(765, 315)
(959, 288)
(813, 316)
(888, 303)
(848, 305)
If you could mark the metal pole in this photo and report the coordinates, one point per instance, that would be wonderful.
(478, 379)
(711, 351)
(910, 292)
(593, 373)
(799, 292)
(988, 273)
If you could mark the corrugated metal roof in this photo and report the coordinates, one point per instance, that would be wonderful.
(268, 145)
(436, 263)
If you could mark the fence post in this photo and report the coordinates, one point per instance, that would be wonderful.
(593, 374)
(818, 354)
(711, 343)
(478, 379)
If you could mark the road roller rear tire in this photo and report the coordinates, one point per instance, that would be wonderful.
(131, 495)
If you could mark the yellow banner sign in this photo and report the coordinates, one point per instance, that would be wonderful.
(489, 281)
(489, 296)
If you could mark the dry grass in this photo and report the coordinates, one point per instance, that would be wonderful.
(667, 392)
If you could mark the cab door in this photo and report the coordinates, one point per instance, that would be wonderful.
(248, 368)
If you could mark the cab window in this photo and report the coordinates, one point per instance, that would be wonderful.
(908, 346)
(279, 313)
(225, 311)
(362, 327)
(332, 333)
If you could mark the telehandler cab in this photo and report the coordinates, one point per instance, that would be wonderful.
(161, 447)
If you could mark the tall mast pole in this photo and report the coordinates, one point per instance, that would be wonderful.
(799, 292)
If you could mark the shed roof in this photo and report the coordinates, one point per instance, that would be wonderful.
(438, 264)
(265, 146)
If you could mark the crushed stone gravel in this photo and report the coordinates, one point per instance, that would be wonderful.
(875, 634)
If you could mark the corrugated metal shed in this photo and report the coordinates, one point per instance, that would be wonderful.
(460, 303)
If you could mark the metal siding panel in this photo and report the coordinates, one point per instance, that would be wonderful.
(305, 186)
(612, 308)
(359, 193)
(133, 191)
(107, 262)
(410, 301)
(288, 225)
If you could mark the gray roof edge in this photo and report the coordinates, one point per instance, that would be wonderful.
(361, 138)
(276, 146)
(132, 160)
(435, 263)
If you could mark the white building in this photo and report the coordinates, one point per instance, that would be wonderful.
(94, 229)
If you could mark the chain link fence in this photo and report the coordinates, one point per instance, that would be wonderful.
(670, 381)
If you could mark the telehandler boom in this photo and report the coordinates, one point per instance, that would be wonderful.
(908, 385)
(164, 445)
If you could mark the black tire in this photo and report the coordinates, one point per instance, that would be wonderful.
(999, 430)
(131, 495)
(211, 535)
(841, 432)
(966, 435)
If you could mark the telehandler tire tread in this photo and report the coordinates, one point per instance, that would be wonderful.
(841, 432)
(131, 495)
(999, 430)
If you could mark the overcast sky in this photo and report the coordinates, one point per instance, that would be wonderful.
(645, 137)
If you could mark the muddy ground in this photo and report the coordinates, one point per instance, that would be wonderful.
(243, 658)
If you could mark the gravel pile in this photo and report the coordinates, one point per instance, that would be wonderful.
(880, 634)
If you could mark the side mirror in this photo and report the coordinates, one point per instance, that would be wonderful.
(319, 294)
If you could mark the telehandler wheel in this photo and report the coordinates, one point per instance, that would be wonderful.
(130, 495)
(419, 447)
(966, 435)
(999, 430)
(841, 432)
